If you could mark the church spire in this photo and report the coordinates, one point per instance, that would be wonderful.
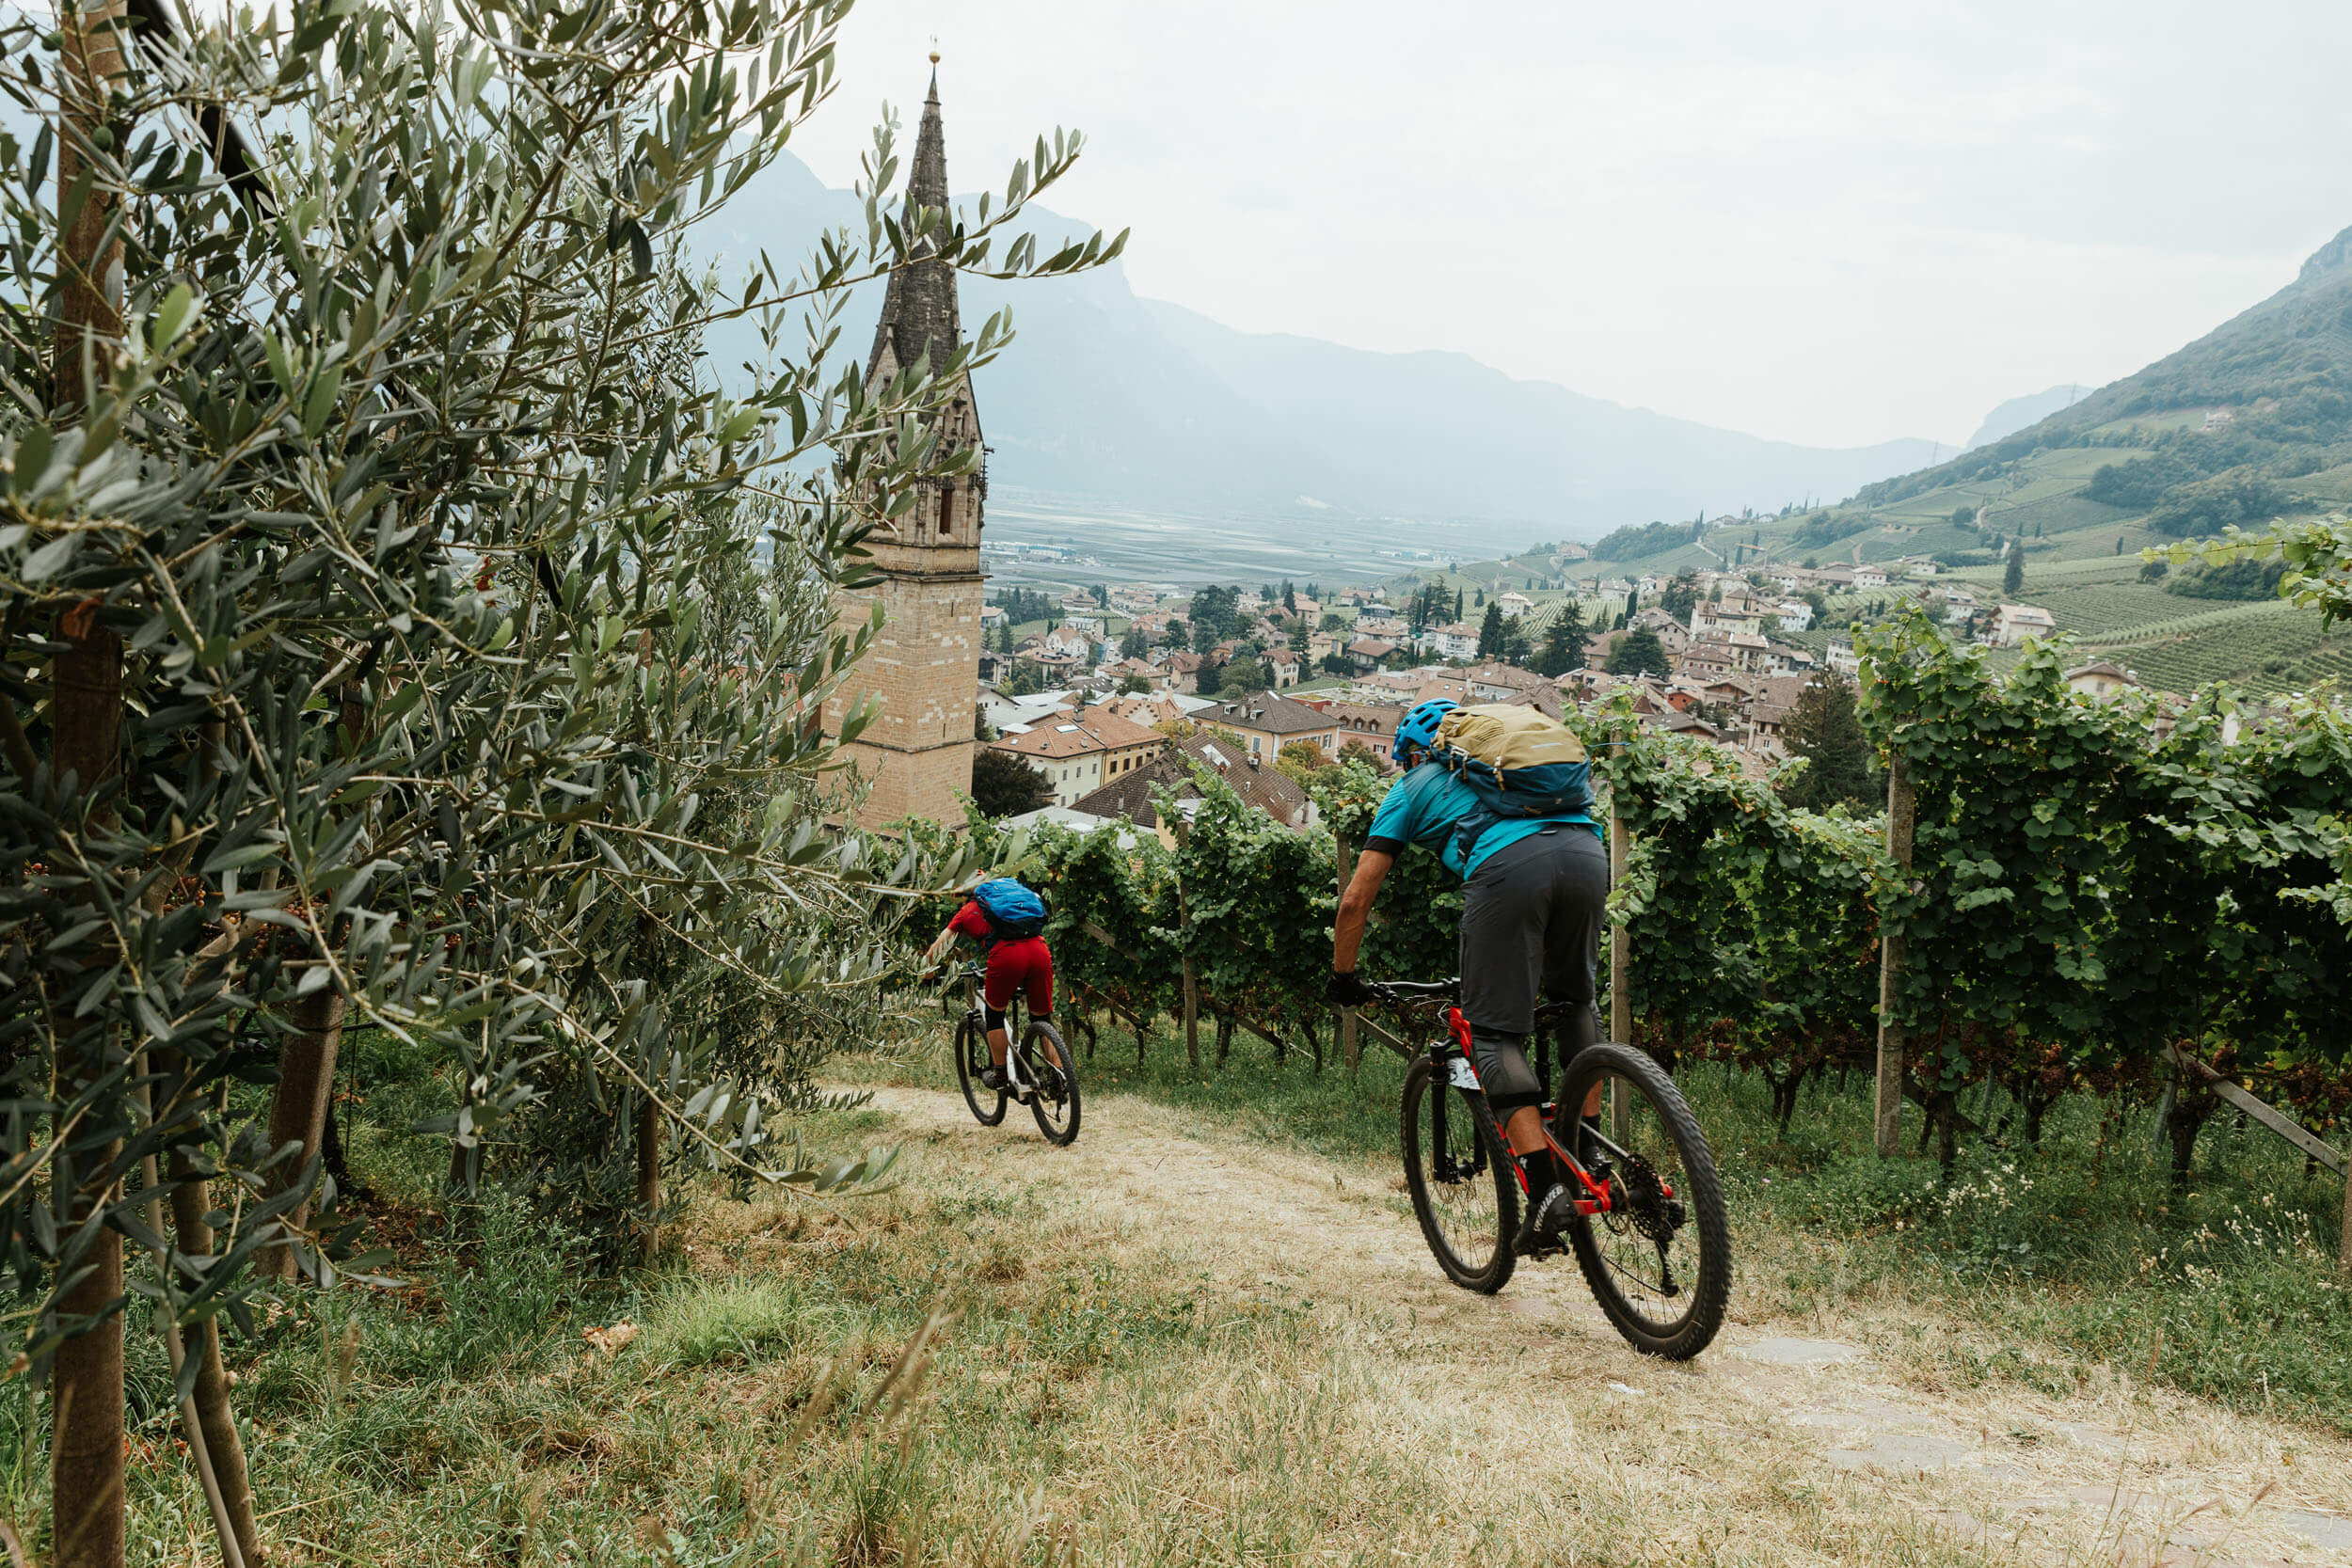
(920, 313)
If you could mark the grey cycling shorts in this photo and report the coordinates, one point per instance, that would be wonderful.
(1532, 917)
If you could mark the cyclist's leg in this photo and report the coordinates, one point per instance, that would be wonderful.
(1503, 916)
(1038, 983)
(997, 986)
(1577, 909)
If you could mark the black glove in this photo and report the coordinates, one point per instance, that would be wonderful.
(1346, 990)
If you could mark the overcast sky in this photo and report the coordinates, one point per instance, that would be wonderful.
(1823, 223)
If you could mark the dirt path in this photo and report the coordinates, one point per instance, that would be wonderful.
(2116, 1475)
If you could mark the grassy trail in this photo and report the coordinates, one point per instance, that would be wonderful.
(1474, 1406)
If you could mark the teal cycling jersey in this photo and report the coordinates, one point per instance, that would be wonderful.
(1426, 804)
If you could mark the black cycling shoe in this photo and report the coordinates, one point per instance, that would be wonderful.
(993, 1079)
(1539, 1232)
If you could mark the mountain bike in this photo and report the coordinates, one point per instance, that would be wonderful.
(1650, 1234)
(1038, 1068)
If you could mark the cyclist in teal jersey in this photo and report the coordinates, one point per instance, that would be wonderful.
(1534, 901)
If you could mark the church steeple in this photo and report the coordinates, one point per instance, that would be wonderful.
(924, 667)
(919, 314)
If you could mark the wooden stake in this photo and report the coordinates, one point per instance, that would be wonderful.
(1191, 982)
(1345, 858)
(1899, 810)
(1620, 980)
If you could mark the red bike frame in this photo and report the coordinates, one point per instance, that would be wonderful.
(1596, 1198)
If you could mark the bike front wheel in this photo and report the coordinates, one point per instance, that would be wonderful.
(1465, 1188)
(1659, 1261)
(1053, 1076)
(988, 1105)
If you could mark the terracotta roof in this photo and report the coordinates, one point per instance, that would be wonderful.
(1369, 718)
(1089, 729)
(1372, 647)
(1506, 674)
(1267, 788)
(1265, 713)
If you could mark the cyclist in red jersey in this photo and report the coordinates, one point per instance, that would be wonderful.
(1015, 965)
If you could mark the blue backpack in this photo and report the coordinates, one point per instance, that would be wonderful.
(1012, 910)
(1520, 764)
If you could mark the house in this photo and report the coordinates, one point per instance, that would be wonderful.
(1267, 721)
(1515, 604)
(1870, 577)
(1366, 653)
(1671, 635)
(1071, 642)
(1320, 647)
(1842, 658)
(1135, 599)
(1381, 622)
(2102, 680)
(1079, 752)
(1284, 667)
(1151, 675)
(1725, 617)
(1133, 796)
(1454, 641)
(1499, 683)
(1184, 670)
(1086, 621)
(1370, 724)
(1078, 598)
(2017, 621)
(1153, 708)
(992, 616)
(1793, 614)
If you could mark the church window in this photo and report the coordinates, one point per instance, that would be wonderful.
(946, 506)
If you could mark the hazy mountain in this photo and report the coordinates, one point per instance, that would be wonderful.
(2017, 413)
(1109, 397)
(2252, 421)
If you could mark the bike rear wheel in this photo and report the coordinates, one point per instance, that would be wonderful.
(1465, 1187)
(1660, 1260)
(988, 1105)
(1053, 1081)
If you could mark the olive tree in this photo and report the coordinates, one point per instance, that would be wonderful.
(400, 634)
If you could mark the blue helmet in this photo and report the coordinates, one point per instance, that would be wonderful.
(1417, 729)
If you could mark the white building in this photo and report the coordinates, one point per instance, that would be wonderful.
(1870, 577)
(1842, 658)
(2017, 621)
(1455, 640)
(1515, 604)
(1793, 614)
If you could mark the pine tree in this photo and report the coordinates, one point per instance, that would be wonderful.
(2013, 573)
(1564, 642)
(1640, 654)
(1490, 632)
(1824, 730)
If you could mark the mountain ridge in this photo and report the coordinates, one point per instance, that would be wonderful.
(1107, 396)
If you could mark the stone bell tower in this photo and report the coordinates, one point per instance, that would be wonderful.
(924, 667)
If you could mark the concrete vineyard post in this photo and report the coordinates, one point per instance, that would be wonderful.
(1900, 808)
